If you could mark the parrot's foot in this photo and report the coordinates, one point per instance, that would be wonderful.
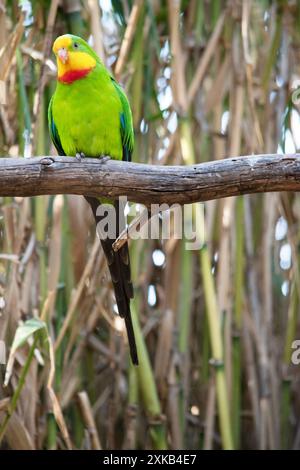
(104, 158)
(79, 156)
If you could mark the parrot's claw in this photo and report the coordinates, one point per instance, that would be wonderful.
(104, 158)
(79, 156)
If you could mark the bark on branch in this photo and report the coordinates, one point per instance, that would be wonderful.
(149, 183)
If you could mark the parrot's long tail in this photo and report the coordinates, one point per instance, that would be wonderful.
(119, 267)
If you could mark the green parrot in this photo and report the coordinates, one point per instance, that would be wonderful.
(89, 115)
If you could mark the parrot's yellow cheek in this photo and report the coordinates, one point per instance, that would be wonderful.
(76, 61)
(77, 65)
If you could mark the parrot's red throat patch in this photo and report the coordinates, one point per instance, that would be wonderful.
(72, 75)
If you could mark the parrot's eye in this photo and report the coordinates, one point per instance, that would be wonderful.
(76, 45)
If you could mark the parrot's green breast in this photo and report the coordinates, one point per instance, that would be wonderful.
(87, 114)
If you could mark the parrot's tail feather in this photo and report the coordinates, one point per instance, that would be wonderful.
(131, 338)
(119, 267)
(120, 274)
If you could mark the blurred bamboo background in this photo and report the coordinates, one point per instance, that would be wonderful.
(215, 326)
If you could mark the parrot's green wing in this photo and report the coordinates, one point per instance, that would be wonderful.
(53, 131)
(126, 123)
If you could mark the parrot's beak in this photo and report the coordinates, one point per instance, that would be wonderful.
(62, 54)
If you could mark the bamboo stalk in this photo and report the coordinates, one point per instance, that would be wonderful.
(128, 37)
(148, 389)
(18, 390)
(87, 413)
(238, 323)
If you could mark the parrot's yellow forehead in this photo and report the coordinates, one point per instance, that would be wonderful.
(62, 42)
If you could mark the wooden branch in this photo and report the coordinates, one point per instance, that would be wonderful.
(149, 183)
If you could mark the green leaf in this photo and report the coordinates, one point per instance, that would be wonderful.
(25, 331)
